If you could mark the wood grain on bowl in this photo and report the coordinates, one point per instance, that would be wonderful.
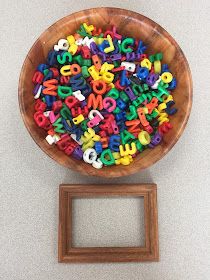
(128, 23)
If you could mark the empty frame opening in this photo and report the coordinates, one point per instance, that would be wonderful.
(108, 222)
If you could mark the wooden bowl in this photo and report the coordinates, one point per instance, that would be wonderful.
(128, 23)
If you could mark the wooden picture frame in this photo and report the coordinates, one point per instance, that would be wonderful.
(69, 254)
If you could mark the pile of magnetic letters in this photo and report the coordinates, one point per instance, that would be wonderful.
(101, 98)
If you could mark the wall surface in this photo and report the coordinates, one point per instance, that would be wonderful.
(30, 180)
